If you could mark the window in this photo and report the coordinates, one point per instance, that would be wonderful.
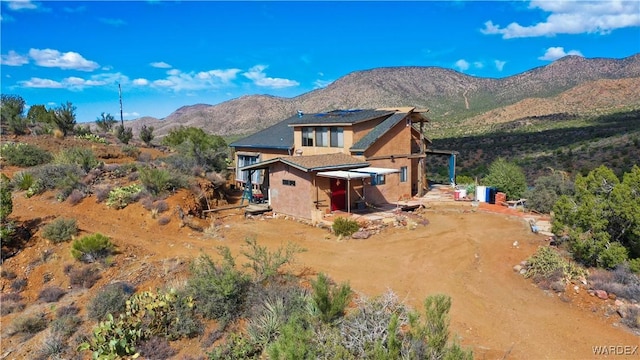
(337, 137)
(246, 160)
(288, 182)
(377, 179)
(403, 174)
(307, 136)
(322, 136)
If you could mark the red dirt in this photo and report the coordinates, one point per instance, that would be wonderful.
(464, 252)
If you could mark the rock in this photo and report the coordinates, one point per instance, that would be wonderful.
(361, 235)
(517, 268)
(601, 294)
(618, 303)
(576, 289)
(612, 296)
(523, 271)
(523, 263)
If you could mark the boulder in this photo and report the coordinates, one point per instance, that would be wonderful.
(601, 294)
(361, 235)
(517, 268)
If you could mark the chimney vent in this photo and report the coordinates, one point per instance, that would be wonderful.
(300, 113)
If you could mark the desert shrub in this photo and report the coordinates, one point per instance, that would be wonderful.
(67, 310)
(8, 274)
(464, 180)
(164, 221)
(65, 325)
(6, 207)
(546, 262)
(506, 177)
(22, 180)
(111, 299)
(102, 192)
(86, 276)
(60, 230)
(18, 285)
(621, 281)
(124, 134)
(146, 134)
(91, 137)
(131, 151)
(345, 227)
(207, 150)
(264, 264)
(53, 347)
(83, 157)
(105, 122)
(632, 317)
(235, 347)
(120, 197)
(28, 325)
(547, 190)
(158, 181)
(75, 197)
(51, 176)
(156, 348)
(330, 301)
(24, 155)
(51, 294)
(218, 289)
(92, 248)
(11, 302)
(295, 341)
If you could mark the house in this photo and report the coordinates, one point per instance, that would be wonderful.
(310, 164)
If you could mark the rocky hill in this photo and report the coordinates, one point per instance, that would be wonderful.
(451, 95)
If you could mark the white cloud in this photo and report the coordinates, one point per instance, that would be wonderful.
(13, 59)
(68, 60)
(163, 83)
(573, 17)
(225, 75)
(132, 114)
(555, 53)
(499, 64)
(257, 75)
(462, 65)
(174, 72)
(140, 82)
(321, 83)
(35, 82)
(161, 65)
(22, 5)
(478, 64)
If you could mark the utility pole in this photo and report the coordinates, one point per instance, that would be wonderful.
(120, 95)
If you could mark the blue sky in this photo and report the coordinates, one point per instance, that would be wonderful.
(167, 54)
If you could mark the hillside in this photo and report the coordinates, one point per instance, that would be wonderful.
(451, 95)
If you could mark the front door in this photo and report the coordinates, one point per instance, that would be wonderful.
(338, 194)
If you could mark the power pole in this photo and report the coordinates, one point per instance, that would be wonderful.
(120, 95)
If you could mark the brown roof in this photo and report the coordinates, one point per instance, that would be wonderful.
(324, 162)
(308, 163)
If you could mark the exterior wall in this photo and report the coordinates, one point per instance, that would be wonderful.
(323, 194)
(320, 150)
(393, 190)
(397, 141)
(361, 129)
(298, 200)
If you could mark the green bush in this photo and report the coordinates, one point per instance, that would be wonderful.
(158, 181)
(294, 342)
(22, 180)
(546, 262)
(146, 134)
(28, 325)
(506, 177)
(51, 176)
(330, 301)
(547, 190)
(131, 151)
(464, 180)
(218, 289)
(111, 299)
(124, 134)
(83, 157)
(206, 150)
(6, 202)
(266, 265)
(345, 227)
(92, 137)
(114, 338)
(92, 248)
(24, 155)
(120, 197)
(60, 230)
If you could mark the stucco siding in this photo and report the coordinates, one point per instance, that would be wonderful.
(291, 200)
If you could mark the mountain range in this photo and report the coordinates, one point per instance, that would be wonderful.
(572, 84)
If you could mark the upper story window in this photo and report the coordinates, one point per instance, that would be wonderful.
(322, 136)
(307, 136)
(337, 137)
(243, 176)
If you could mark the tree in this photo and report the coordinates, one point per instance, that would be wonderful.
(602, 219)
(207, 150)
(40, 117)
(105, 122)
(146, 134)
(65, 117)
(506, 177)
(11, 113)
(124, 134)
(547, 190)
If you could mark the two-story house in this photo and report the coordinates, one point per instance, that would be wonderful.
(309, 164)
